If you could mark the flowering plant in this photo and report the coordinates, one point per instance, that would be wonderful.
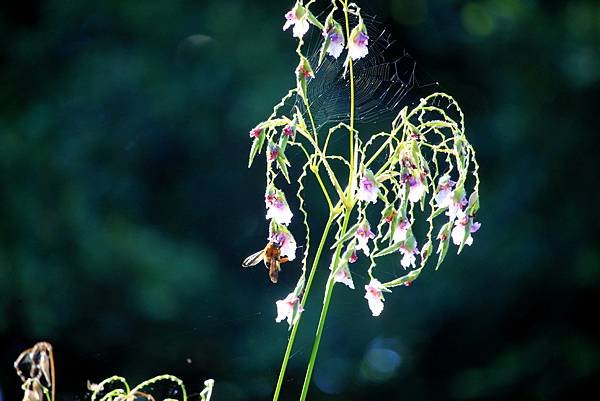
(402, 193)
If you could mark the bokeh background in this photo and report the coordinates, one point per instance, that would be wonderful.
(126, 205)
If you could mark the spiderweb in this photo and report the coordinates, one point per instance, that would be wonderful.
(381, 86)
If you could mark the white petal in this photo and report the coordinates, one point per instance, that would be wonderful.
(301, 27)
(335, 49)
(357, 51)
(376, 306)
(458, 233)
(416, 192)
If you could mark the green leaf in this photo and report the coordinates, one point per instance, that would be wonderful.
(282, 162)
(257, 145)
(324, 48)
(438, 212)
(283, 140)
(351, 231)
(473, 205)
(313, 20)
(408, 278)
(390, 249)
(445, 231)
(465, 237)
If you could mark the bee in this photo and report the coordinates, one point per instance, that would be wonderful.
(271, 257)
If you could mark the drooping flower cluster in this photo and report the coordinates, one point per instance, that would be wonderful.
(334, 41)
(407, 179)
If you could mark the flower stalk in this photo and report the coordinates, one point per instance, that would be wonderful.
(425, 158)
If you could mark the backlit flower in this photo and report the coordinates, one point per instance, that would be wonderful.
(401, 230)
(255, 132)
(443, 197)
(367, 187)
(287, 244)
(459, 231)
(456, 206)
(417, 188)
(272, 152)
(297, 17)
(289, 308)
(288, 131)
(357, 45)
(333, 31)
(408, 256)
(363, 234)
(374, 296)
(342, 273)
(277, 207)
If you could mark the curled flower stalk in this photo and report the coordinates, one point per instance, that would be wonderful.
(398, 194)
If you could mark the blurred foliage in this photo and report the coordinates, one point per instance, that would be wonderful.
(126, 206)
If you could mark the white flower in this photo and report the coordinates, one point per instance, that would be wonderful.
(289, 308)
(297, 17)
(455, 209)
(408, 257)
(401, 230)
(374, 296)
(342, 274)
(443, 197)
(368, 188)
(461, 223)
(357, 45)
(417, 189)
(286, 241)
(277, 207)
(363, 234)
(336, 44)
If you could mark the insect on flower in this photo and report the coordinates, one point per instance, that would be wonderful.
(271, 257)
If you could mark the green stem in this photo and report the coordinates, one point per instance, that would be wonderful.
(351, 67)
(324, 310)
(288, 350)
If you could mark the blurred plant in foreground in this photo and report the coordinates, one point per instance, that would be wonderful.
(391, 184)
(35, 367)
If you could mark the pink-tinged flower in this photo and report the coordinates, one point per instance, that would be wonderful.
(272, 153)
(443, 197)
(342, 275)
(363, 234)
(304, 70)
(277, 207)
(401, 230)
(373, 295)
(368, 189)
(417, 188)
(460, 227)
(288, 131)
(297, 17)
(285, 239)
(333, 31)
(456, 207)
(353, 258)
(255, 132)
(357, 45)
(289, 308)
(408, 256)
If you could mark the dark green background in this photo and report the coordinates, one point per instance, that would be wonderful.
(126, 206)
